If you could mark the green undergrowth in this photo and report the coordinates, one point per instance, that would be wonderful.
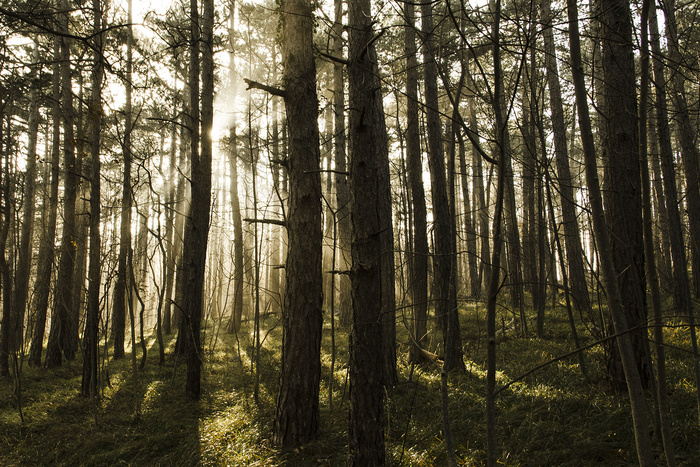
(553, 417)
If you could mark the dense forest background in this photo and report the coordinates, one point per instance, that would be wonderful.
(302, 233)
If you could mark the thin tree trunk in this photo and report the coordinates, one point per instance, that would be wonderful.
(494, 281)
(652, 275)
(442, 259)
(24, 254)
(687, 138)
(46, 248)
(419, 260)
(63, 301)
(90, 375)
(120, 286)
(572, 235)
(690, 156)
(341, 179)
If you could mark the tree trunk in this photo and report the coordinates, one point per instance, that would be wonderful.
(652, 273)
(197, 223)
(419, 260)
(572, 236)
(341, 179)
(640, 417)
(120, 286)
(59, 335)
(367, 156)
(297, 412)
(6, 218)
(46, 248)
(442, 259)
(687, 138)
(622, 179)
(681, 290)
(90, 340)
(24, 254)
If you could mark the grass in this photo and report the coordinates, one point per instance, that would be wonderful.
(553, 417)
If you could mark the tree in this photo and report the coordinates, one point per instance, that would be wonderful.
(419, 261)
(640, 418)
(442, 260)
(572, 238)
(197, 223)
(367, 158)
(24, 260)
(687, 136)
(89, 382)
(59, 344)
(622, 179)
(120, 286)
(297, 411)
(340, 157)
(48, 234)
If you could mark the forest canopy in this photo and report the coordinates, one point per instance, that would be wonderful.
(362, 231)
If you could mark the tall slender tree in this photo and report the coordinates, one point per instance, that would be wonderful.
(46, 248)
(419, 261)
(297, 411)
(121, 284)
(90, 340)
(59, 344)
(622, 179)
(640, 416)
(367, 157)
(442, 258)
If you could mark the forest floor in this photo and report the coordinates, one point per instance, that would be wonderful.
(553, 417)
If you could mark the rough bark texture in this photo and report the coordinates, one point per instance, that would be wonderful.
(297, 412)
(640, 416)
(623, 181)
(90, 340)
(59, 335)
(197, 226)
(367, 148)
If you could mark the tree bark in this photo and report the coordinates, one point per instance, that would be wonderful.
(640, 416)
(297, 412)
(572, 235)
(90, 340)
(46, 248)
(341, 179)
(120, 286)
(651, 268)
(623, 181)
(59, 335)
(442, 259)
(24, 255)
(687, 138)
(681, 290)
(419, 260)
(367, 157)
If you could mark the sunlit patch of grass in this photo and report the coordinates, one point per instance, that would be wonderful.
(553, 416)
